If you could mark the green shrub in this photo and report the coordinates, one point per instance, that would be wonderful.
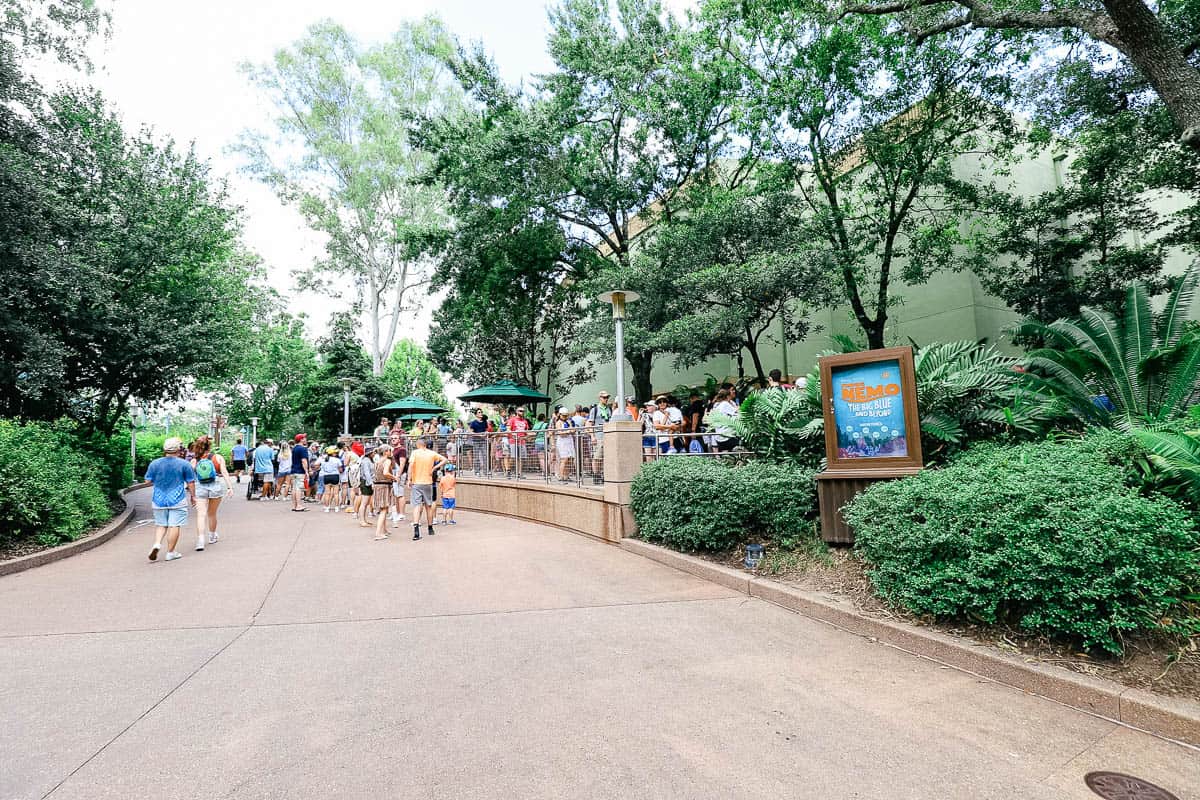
(1050, 537)
(52, 486)
(695, 503)
(150, 443)
(111, 458)
(782, 499)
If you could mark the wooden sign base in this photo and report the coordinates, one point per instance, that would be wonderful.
(836, 488)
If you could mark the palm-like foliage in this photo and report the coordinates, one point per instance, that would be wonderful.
(965, 391)
(780, 423)
(1176, 457)
(1144, 363)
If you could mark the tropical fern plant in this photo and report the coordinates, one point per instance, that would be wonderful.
(779, 424)
(1138, 370)
(965, 391)
(1176, 458)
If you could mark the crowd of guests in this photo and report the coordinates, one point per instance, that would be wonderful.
(376, 480)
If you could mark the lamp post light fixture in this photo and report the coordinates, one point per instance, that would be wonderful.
(253, 432)
(346, 406)
(618, 298)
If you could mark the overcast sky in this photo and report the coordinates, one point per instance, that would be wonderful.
(174, 66)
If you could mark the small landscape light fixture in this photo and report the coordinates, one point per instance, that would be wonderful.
(754, 554)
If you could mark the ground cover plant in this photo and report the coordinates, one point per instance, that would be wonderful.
(1049, 537)
(693, 503)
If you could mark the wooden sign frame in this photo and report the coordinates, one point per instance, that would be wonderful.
(908, 396)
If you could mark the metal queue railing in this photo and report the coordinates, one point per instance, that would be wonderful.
(664, 444)
(554, 455)
(559, 455)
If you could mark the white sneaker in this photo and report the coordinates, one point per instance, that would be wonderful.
(199, 545)
(171, 556)
(154, 552)
(213, 537)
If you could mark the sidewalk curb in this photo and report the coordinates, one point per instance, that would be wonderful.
(115, 526)
(1169, 717)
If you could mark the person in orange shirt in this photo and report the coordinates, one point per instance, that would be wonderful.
(446, 489)
(631, 408)
(421, 464)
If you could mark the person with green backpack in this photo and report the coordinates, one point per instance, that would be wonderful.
(212, 484)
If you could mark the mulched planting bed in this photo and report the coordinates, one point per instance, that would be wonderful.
(1151, 663)
(27, 547)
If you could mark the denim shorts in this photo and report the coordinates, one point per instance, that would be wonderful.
(215, 490)
(170, 517)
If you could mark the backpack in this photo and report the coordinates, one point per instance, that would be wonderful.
(206, 471)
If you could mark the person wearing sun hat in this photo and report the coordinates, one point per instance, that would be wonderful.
(564, 442)
(329, 477)
(174, 483)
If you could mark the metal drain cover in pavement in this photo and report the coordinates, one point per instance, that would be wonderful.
(1115, 786)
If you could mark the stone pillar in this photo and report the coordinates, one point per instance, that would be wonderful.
(622, 460)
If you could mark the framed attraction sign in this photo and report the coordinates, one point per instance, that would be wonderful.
(870, 407)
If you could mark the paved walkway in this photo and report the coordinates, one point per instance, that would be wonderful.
(300, 659)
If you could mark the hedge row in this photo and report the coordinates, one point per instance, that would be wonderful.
(694, 503)
(55, 484)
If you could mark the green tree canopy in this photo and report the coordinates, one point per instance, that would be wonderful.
(117, 252)
(271, 377)
(865, 128)
(343, 110)
(741, 271)
(409, 371)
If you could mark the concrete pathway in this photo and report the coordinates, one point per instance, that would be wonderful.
(299, 659)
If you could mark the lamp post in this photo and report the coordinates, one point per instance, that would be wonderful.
(253, 432)
(133, 412)
(618, 298)
(345, 406)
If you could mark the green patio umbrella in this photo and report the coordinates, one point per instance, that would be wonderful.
(412, 405)
(505, 391)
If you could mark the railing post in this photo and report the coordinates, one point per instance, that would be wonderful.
(622, 460)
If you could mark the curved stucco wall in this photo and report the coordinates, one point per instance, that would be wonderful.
(577, 509)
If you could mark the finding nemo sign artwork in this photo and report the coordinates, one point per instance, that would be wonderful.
(868, 408)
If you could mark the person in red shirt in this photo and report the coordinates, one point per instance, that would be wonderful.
(517, 440)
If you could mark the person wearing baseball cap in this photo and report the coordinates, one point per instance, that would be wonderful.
(174, 483)
(649, 438)
(299, 471)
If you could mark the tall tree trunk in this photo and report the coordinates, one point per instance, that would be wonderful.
(642, 364)
(1142, 38)
(751, 345)
(874, 332)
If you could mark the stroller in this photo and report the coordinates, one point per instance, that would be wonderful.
(254, 486)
